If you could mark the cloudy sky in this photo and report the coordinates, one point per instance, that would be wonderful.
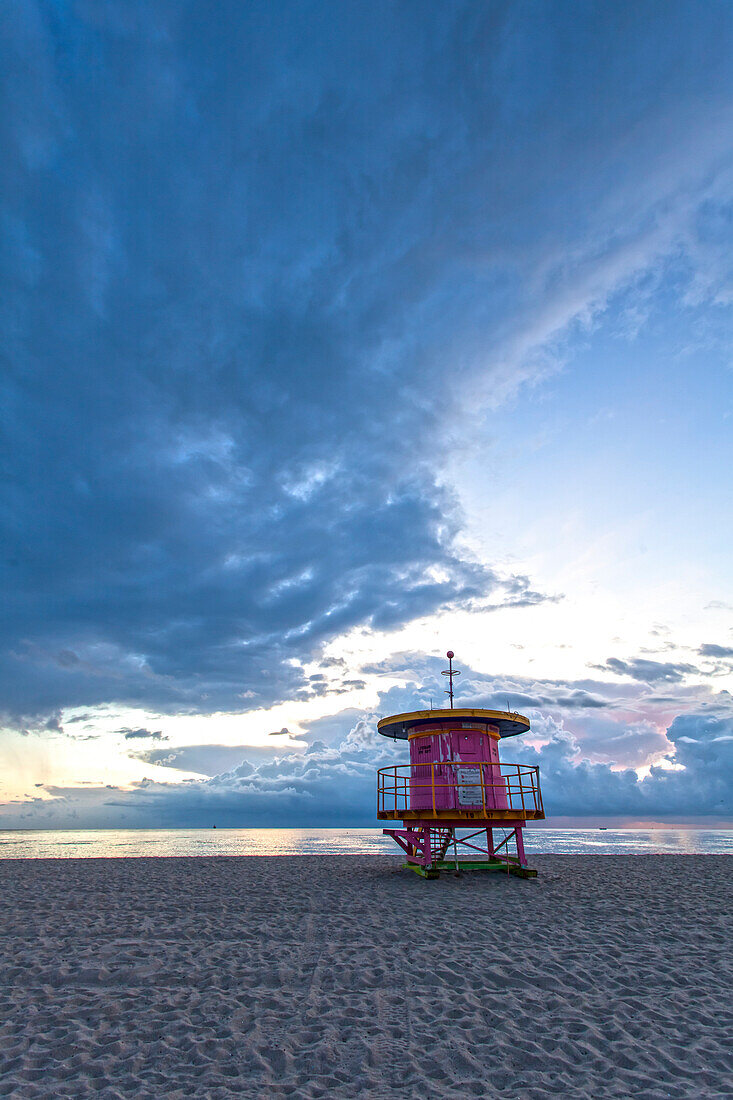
(334, 336)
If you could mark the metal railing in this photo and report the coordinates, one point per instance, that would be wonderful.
(459, 786)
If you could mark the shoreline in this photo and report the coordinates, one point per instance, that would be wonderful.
(129, 843)
(339, 976)
(396, 857)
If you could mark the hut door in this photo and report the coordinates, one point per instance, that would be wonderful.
(421, 773)
(496, 784)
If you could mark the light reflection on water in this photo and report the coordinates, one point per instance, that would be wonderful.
(65, 844)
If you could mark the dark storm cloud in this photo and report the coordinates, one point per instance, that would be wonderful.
(138, 734)
(710, 650)
(649, 672)
(217, 386)
(259, 258)
(211, 759)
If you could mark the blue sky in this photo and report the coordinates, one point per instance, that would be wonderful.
(337, 335)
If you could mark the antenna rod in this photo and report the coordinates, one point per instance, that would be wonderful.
(450, 672)
(450, 677)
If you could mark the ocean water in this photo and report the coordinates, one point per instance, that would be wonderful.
(88, 843)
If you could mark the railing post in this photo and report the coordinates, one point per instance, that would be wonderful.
(432, 781)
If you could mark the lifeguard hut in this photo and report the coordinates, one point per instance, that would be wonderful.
(455, 785)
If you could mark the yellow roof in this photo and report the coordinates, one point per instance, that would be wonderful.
(399, 725)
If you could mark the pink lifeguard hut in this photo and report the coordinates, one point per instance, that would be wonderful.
(455, 785)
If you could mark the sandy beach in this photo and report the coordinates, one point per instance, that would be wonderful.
(320, 976)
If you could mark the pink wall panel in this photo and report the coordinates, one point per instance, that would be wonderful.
(461, 761)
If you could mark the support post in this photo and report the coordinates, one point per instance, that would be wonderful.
(520, 846)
